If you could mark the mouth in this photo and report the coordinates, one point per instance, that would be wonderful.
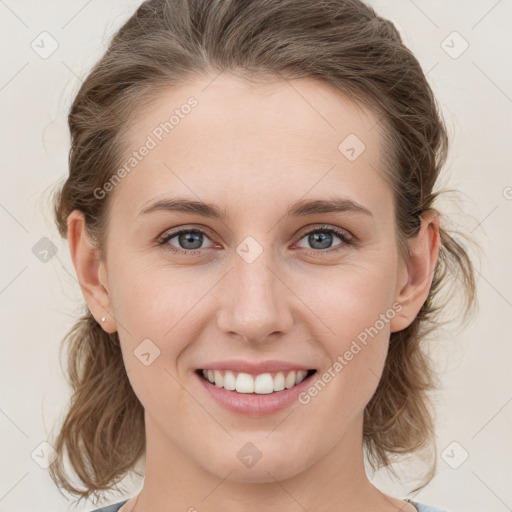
(260, 384)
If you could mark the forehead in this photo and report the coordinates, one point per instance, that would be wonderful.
(225, 137)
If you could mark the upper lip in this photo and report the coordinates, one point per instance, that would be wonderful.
(238, 365)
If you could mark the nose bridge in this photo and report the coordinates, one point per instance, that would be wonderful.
(254, 300)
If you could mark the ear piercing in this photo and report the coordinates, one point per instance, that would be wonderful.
(103, 318)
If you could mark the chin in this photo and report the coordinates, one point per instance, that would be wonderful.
(265, 470)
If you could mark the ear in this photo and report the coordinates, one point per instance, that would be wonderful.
(418, 272)
(90, 270)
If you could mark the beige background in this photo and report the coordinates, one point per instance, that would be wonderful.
(39, 300)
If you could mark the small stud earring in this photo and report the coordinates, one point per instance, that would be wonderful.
(103, 318)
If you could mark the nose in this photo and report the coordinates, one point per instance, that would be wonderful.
(255, 301)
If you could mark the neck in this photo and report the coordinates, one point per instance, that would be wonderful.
(173, 481)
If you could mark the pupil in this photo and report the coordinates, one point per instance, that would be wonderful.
(190, 238)
(323, 238)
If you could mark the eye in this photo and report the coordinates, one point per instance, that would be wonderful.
(190, 240)
(320, 241)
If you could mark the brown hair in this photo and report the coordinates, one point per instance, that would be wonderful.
(340, 42)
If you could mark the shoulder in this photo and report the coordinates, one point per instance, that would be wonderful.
(110, 508)
(426, 508)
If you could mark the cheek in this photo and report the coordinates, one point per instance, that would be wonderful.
(353, 297)
(156, 310)
(355, 311)
(162, 305)
(154, 298)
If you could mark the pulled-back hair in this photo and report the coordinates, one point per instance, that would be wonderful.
(171, 42)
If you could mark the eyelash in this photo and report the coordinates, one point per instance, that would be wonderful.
(346, 240)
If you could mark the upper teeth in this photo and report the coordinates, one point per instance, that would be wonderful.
(260, 384)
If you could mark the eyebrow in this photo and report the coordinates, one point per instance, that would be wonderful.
(298, 209)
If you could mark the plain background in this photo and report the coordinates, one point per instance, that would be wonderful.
(40, 297)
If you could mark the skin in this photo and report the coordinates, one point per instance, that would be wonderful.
(254, 150)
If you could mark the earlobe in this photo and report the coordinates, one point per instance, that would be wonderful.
(90, 271)
(423, 256)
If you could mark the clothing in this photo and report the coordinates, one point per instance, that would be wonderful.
(111, 508)
(420, 506)
(424, 508)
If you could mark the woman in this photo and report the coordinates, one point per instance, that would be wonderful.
(250, 213)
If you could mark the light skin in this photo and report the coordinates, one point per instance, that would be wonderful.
(253, 150)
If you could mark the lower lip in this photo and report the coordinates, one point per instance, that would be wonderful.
(252, 404)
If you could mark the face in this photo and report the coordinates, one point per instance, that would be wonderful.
(256, 283)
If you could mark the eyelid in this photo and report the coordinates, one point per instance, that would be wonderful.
(172, 232)
(327, 227)
(346, 237)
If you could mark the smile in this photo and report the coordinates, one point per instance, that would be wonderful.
(261, 384)
(254, 388)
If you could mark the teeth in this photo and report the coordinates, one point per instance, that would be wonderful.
(219, 379)
(261, 384)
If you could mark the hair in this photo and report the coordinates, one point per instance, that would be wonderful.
(343, 43)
